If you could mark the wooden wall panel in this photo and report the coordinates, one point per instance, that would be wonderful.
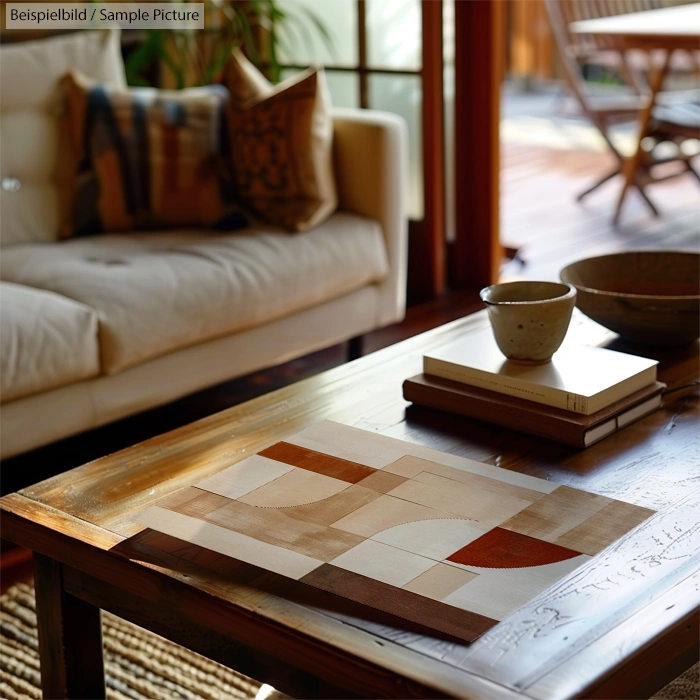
(433, 145)
(427, 271)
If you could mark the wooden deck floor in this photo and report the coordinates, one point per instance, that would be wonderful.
(540, 214)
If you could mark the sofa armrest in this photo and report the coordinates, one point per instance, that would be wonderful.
(371, 162)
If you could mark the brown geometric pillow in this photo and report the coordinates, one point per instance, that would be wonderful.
(281, 145)
(142, 158)
(245, 83)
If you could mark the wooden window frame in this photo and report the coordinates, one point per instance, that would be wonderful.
(475, 255)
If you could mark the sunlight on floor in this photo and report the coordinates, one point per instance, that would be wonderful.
(560, 134)
(554, 120)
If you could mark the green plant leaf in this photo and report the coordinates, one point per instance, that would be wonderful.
(141, 58)
(181, 54)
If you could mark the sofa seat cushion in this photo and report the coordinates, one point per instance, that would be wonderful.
(157, 292)
(46, 341)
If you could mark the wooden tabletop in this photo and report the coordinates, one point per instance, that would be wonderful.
(665, 28)
(625, 623)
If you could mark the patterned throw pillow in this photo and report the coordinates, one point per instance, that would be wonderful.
(245, 83)
(142, 158)
(281, 145)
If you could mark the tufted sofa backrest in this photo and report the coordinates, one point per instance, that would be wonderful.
(30, 108)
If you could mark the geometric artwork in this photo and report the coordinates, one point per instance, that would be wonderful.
(446, 542)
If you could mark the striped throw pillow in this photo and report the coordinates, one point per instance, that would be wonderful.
(141, 158)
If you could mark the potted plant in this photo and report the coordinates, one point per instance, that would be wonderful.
(187, 58)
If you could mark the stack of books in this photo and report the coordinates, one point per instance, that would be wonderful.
(583, 395)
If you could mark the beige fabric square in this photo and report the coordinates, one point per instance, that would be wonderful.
(383, 513)
(297, 487)
(497, 593)
(577, 519)
(382, 481)
(281, 145)
(605, 527)
(436, 539)
(229, 543)
(383, 563)
(460, 499)
(440, 581)
(570, 518)
(245, 476)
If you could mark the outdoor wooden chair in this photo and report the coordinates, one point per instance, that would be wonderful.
(677, 123)
(606, 111)
(631, 66)
(587, 49)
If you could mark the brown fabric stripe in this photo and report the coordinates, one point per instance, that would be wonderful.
(461, 624)
(383, 482)
(318, 462)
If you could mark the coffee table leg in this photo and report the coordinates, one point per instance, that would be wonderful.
(70, 637)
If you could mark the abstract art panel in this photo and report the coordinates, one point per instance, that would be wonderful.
(443, 541)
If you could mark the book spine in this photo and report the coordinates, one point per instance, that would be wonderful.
(509, 386)
(597, 433)
(523, 421)
(625, 388)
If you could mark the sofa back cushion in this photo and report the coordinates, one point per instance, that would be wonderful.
(31, 103)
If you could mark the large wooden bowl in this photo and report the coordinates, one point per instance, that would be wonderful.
(647, 297)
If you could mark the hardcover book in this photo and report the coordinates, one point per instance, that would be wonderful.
(579, 378)
(530, 417)
(446, 542)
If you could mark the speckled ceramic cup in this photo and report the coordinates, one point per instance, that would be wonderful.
(529, 319)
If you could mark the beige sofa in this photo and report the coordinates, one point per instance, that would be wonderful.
(94, 329)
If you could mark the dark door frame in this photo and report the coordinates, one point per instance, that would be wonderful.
(476, 253)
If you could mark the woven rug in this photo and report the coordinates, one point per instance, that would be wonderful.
(142, 666)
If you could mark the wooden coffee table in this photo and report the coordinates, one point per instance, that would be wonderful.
(623, 625)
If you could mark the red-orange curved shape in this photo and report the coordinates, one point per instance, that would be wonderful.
(503, 549)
